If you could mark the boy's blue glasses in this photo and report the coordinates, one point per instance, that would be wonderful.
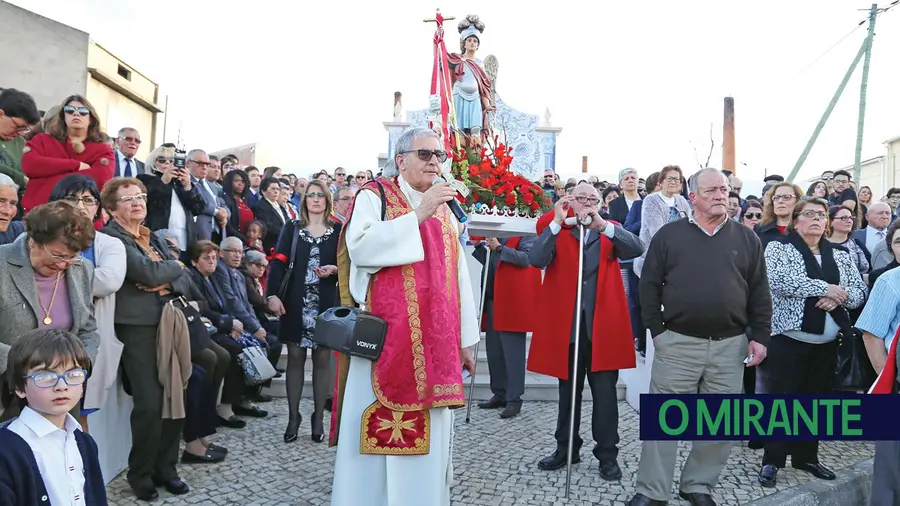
(49, 379)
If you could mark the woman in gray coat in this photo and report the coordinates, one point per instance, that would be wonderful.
(44, 283)
(665, 206)
(152, 278)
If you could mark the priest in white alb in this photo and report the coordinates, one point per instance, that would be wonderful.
(400, 258)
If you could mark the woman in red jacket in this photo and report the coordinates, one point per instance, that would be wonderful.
(72, 144)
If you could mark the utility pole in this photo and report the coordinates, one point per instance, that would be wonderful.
(857, 169)
(165, 118)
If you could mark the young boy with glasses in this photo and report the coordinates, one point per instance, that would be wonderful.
(46, 458)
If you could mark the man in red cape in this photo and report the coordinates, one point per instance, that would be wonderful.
(510, 310)
(605, 344)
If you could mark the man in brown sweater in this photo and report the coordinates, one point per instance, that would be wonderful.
(703, 283)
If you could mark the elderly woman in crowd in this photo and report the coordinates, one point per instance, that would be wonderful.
(813, 284)
(778, 203)
(664, 206)
(9, 200)
(107, 255)
(172, 201)
(235, 192)
(284, 199)
(842, 225)
(751, 213)
(153, 277)
(254, 268)
(44, 283)
(309, 289)
(73, 143)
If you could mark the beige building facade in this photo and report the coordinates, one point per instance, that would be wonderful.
(880, 173)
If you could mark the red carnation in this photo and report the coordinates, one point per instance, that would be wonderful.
(511, 198)
(527, 197)
(535, 206)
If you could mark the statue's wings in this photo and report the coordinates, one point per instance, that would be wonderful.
(491, 66)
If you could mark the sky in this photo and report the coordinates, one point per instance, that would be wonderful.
(631, 85)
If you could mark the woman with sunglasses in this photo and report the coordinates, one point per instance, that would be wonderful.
(751, 213)
(72, 143)
(107, 255)
(172, 201)
(310, 289)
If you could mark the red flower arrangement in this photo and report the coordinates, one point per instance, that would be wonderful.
(492, 183)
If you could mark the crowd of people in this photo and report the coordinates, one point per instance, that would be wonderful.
(161, 273)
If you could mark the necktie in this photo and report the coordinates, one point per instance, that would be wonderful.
(128, 168)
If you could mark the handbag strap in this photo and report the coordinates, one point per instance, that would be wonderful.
(383, 199)
(282, 291)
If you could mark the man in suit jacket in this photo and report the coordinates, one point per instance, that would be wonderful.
(127, 144)
(509, 295)
(267, 210)
(198, 165)
(605, 344)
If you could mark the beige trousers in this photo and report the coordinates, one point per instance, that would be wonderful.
(690, 365)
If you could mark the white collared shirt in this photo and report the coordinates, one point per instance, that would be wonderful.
(122, 166)
(715, 230)
(609, 231)
(57, 455)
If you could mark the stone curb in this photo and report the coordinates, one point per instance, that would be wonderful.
(852, 487)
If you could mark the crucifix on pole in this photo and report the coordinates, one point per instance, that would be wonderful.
(438, 19)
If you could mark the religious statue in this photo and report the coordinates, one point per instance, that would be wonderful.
(398, 106)
(473, 97)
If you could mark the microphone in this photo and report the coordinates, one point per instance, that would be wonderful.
(454, 206)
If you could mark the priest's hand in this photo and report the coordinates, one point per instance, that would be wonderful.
(468, 362)
(434, 197)
(561, 208)
(756, 352)
(275, 306)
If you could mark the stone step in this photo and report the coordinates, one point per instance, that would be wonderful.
(537, 386)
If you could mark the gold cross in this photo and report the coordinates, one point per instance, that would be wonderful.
(396, 426)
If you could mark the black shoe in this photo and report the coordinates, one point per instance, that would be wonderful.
(317, 438)
(642, 500)
(328, 402)
(816, 469)
(261, 397)
(217, 449)
(254, 412)
(697, 499)
(175, 486)
(768, 476)
(210, 457)
(232, 423)
(511, 410)
(494, 403)
(145, 492)
(557, 461)
(610, 470)
(290, 434)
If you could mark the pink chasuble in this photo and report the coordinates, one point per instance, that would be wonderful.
(419, 367)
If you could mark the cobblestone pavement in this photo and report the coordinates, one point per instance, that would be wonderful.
(495, 462)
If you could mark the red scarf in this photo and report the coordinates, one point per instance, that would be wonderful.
(612, 343)
(884, 384)
(515, 290)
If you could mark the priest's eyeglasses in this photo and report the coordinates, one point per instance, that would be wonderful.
(426, 154)
(49, 379)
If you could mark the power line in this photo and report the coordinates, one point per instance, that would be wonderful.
(836, 44)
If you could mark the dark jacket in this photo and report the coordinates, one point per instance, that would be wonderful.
(20, 480)
(264, 212)
(211, 304)
(292, 321)
(618, 210)
(159, 204)
(633, 221)
(768, 233)
(133, 305)
(137, 166)
(234, 290)
(233, 225)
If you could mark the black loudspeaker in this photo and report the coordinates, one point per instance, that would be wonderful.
(351, 331)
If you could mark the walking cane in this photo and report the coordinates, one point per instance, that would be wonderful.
(487, 266)
(574, 377)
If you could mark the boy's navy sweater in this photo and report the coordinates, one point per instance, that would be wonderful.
(20, 478)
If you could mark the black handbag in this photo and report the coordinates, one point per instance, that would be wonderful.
(199, 332)
(853, 370)
(351, 331)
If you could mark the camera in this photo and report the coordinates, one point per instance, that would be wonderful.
(180, 159)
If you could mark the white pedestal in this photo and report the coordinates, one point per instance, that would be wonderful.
(637, 380)
(500, 226)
